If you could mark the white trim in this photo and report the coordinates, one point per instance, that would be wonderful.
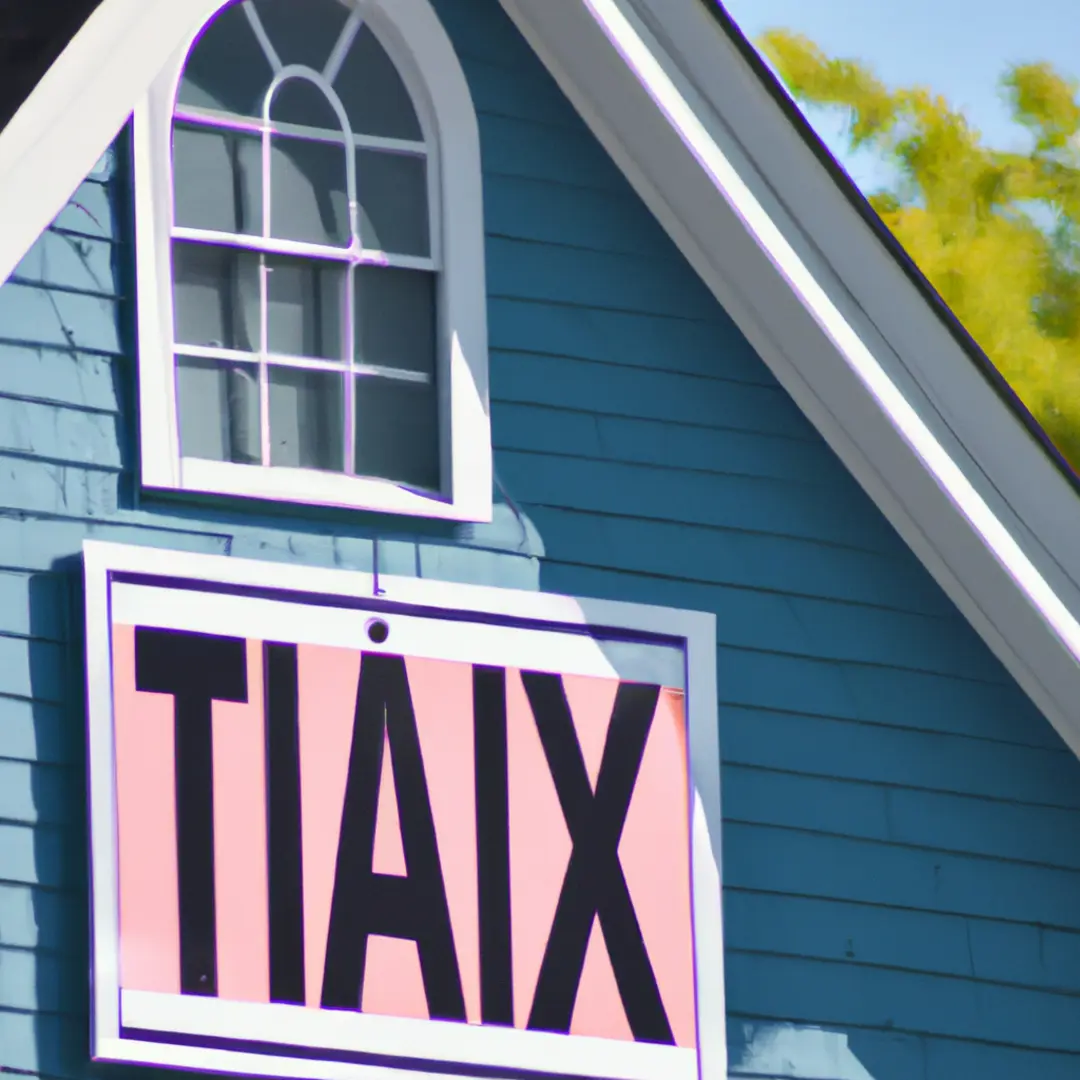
(285, 620)
(309, 487)
(340, 51)
(661, 86)
(427, 1040)
(76, 111)
(692, 635)
(354, 255)
(104, 886)
(417, 42)
(262, 37)
(235, 356)
(859, 356)
(694, 626)
(219, 121)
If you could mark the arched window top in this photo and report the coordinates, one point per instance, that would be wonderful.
(248, 43)
(314, 254)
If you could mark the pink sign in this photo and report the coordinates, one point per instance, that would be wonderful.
(434, 830)
(404, 837)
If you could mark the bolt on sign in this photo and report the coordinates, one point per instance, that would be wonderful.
(358, 828)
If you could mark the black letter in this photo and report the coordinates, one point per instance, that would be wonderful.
(196, 669)
(412, 907)
(286, 877)
(493, 845)
(594, 884)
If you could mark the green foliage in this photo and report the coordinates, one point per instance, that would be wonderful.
(997, 232)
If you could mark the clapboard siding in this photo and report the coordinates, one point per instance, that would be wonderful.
(791, 566)
(33, 373)
(691, 498)
(985, 950)
(645, 393)
(515, 147)
(647, 441)
(902, 829)
(43, 920)
(899, 756)
(620, 337)
(794, 860)
(582, 277)
(547, 212)
(813, 990)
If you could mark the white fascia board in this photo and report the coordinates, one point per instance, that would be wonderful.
(826, 306)
(76, 111)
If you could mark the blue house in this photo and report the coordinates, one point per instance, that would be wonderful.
(556, 298)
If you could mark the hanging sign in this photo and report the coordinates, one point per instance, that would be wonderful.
(358, 831)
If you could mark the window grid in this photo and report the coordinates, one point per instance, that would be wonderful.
(304, 249)
(355, 254)
(214, 119)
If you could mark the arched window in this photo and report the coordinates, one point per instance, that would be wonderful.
(312, 321)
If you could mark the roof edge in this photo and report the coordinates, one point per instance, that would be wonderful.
(78, 108)
(870, 216)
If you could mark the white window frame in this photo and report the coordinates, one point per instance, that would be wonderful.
(417, 43)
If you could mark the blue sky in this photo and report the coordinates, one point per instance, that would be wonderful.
(958, 48)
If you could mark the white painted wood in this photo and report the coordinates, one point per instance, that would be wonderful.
(354, 254)
(338, 627)
(418, 44)
(75, 112)
(427, 1040)
(584, 635)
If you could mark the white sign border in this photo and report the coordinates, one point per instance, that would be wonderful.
(695, 631)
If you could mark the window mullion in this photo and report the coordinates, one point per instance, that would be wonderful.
(341, 48)
(264, 270)
(352, 183)
(349, 307)
(264, 370)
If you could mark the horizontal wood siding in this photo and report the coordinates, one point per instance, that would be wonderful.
(902, 829)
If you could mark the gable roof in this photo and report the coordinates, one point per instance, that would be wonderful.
(846, 324)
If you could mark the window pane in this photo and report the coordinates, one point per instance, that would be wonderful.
(303, 31)
(309, 198)
(304, 302)
(217, 176)
(397, 431)
(298, 101)
(395, 318)
(227, 69)
(372, 91)
(216, 296)
(306, 419)
(393, 202)
(219, 410)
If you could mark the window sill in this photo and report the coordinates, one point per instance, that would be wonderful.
(311, 488)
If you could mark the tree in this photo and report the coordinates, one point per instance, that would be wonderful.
(996, 232)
